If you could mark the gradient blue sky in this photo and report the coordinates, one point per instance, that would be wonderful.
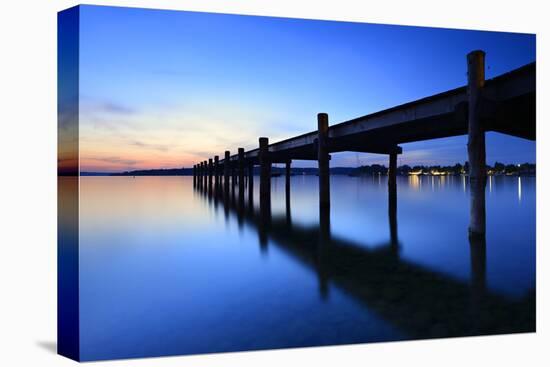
(169, 88)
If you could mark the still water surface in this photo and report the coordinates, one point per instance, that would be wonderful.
(168, 269)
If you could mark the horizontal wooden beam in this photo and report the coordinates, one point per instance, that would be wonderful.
(509, 108)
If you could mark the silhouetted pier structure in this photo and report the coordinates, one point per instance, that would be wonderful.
(504, 104)
(420, 302)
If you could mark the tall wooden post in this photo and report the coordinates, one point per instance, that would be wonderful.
(476, 142)
(265, 192)
(206, 174)
(392, 200)
(241, 172)
(210, 173)
(265, 171)
(194, 175)
(323, 160)
(216, 172)
(226, 173)
(201, 174)
(392, 184)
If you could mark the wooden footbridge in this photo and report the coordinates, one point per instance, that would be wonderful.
(504, 104)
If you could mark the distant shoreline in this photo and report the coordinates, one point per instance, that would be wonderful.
(499, 169)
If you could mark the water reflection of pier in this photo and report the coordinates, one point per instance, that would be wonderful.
(418, 301)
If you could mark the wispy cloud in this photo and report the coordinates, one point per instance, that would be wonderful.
(114, 160)
(115, 108)
(159, 147)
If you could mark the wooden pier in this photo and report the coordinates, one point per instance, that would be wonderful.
(504, 104)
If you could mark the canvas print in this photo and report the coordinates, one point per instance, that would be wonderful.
(235, 183)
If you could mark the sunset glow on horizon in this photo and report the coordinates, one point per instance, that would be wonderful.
(167, 89)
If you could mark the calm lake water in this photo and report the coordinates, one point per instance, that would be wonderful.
(168, 269)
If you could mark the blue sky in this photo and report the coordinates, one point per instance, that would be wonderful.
(169, 88)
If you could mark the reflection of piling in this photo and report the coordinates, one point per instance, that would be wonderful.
(233, 179)
(478, 268)
(264, 225)
(251, 185)
(323, 248)
(476, 142)
(323, 160)
(240, 211)
(392, 214)
(478, 262)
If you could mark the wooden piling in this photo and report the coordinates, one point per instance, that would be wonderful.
(210, 173)
(216, 172)
(265, 171)
(205, 167)
(240, 167)
(194, 175)
(323, 160)
(265, 193)
(392, 185)
(201, 174)
(392, 201)
(226, 173)
(476, 142)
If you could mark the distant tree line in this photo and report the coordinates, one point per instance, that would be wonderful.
(457, 169)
